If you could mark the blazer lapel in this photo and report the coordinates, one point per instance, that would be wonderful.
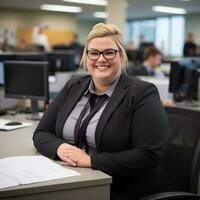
(118, 94)
(76, 93)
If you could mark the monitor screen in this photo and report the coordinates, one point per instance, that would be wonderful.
(62, 61)
(26, 79)
(184, 79)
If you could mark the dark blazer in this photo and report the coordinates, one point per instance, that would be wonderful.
(137, 71)
(130, 135)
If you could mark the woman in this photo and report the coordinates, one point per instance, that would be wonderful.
(125, 137)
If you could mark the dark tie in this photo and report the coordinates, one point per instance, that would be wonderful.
(95, 102)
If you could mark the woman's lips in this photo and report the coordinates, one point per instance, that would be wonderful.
(102, 67)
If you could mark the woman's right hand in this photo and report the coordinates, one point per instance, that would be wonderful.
(62, 153)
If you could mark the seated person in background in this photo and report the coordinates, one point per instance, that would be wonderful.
(82, 127)
(189, 49)
(77, 47)
(152, 60)
(75, 44)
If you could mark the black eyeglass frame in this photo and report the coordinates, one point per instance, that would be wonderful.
(102, 53)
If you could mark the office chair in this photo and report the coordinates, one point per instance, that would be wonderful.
(181, 161)
(172, 196)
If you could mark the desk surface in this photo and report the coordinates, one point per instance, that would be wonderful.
(19, 142)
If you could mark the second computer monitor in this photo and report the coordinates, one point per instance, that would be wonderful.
(184, 77)
(27, 80)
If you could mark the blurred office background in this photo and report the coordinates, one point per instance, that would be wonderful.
(164, 24)
(167, 29)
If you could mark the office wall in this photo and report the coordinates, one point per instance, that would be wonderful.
(13, 18)
(16, 21)
(58, 21)
(193, 25)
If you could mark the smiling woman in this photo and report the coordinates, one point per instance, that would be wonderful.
(103, 120)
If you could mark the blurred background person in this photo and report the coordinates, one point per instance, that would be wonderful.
(40, 39)
(1, 45)
(152, 61)
(189, 49)
(75, 44)
(77, 47)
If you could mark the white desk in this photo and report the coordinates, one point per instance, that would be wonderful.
(90, 185)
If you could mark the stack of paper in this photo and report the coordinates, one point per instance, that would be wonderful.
(30, 169)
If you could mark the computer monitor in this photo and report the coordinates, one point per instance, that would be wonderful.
(62, 61)
(184, 78)
(27, 80)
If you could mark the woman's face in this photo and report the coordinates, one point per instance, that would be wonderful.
(104, 71)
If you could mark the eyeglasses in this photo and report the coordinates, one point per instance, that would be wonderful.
(108, 54)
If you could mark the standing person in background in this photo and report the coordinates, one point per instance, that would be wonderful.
(83, 125)
(152, 60)
(40, 39)
(189, 49)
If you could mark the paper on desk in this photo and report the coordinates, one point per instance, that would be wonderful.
(5, 181)
(8, 128)
(31, 169)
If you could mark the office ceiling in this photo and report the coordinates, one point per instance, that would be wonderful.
(136, 9)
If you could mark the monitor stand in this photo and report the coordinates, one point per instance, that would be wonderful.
(35, 111)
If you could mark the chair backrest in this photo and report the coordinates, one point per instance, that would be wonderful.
(172, 196)
(182, 158)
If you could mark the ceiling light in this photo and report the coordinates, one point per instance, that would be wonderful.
(166, 9)
(91, 2)
(100, 14)
(60, 8)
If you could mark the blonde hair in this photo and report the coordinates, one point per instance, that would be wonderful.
(103, 30)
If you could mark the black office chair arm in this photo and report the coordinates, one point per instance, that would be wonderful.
(172, 195)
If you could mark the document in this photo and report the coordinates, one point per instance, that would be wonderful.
(5, 127)
(30, 169)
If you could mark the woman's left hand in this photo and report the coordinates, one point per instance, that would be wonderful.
(82, 158)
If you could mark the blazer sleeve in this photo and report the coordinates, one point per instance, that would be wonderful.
(45, 137)
(148, 137)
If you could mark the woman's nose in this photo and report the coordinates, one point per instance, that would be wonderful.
(101, 57)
